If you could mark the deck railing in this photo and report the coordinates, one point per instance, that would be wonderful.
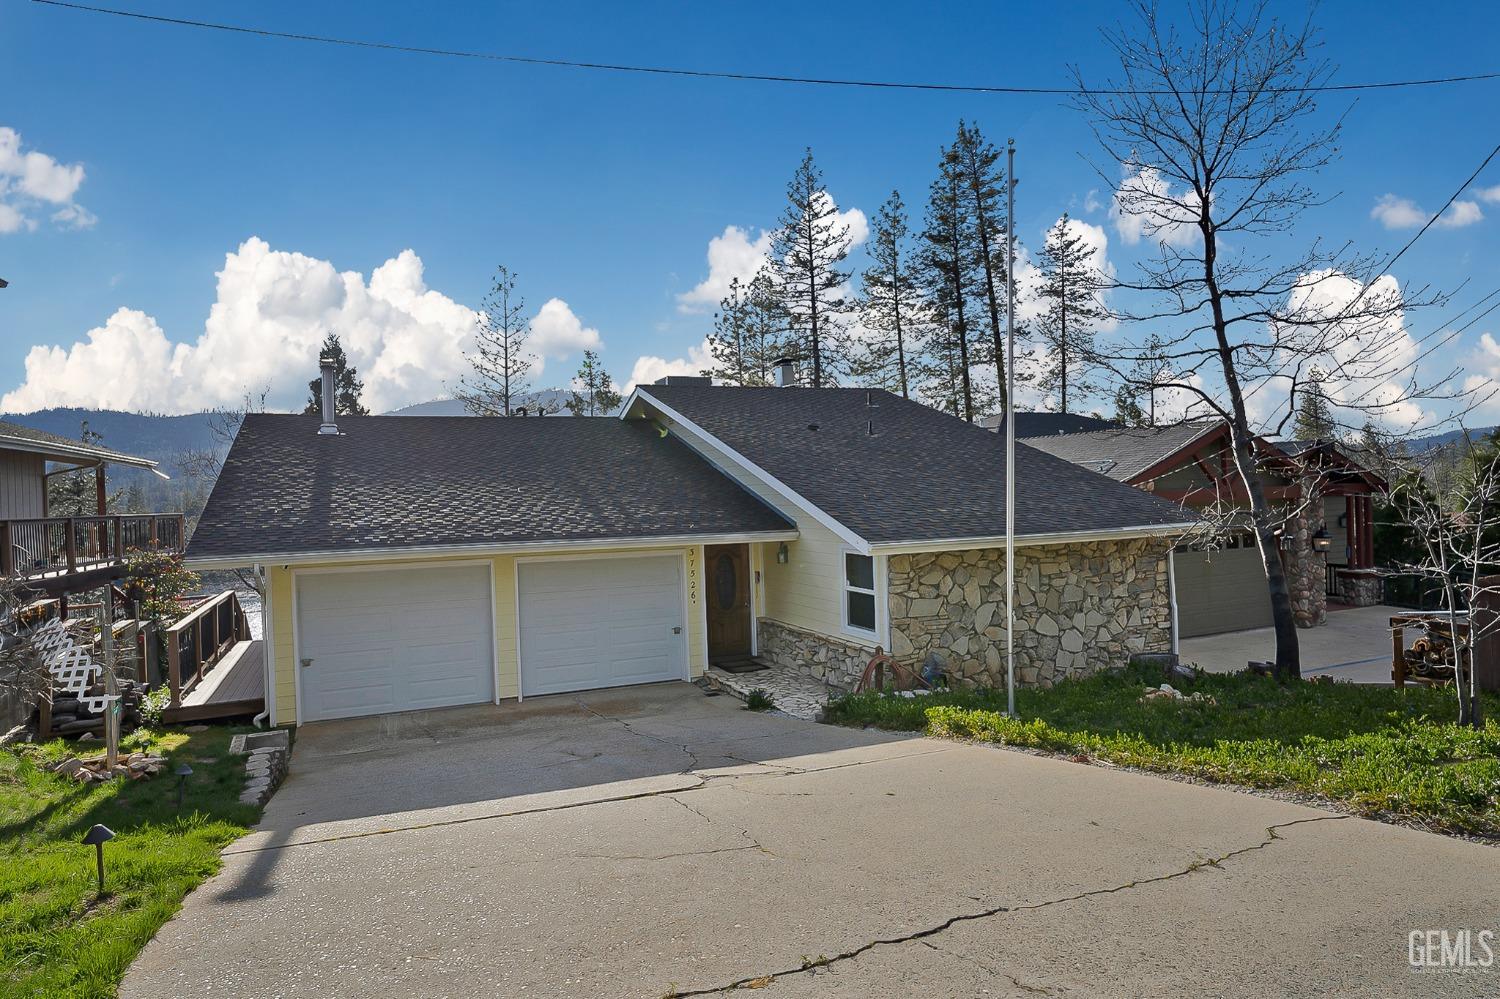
(200, 639)
(50, 546)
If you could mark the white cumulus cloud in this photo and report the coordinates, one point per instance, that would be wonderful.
(648, 368)
(270, 314)
(1489, 195)
(558, 334)
(1145, 207)
(734, 254)
(1402, 213)
(32, 180)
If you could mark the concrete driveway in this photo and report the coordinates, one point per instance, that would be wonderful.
(651, 841)
(1354, 645)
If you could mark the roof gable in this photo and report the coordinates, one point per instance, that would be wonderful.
(894, 471)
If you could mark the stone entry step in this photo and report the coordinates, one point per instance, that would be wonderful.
(792, 692)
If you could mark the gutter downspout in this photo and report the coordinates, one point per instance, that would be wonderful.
(1172, 593)
(259, 721)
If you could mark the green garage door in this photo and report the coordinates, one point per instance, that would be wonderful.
(1220, 591)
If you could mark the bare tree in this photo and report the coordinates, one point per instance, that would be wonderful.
(24, 675)
(500, 366)
(1455, 527)
(1219, 136)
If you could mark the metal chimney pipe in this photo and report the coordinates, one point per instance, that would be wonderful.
(786, 372)
(329, 425)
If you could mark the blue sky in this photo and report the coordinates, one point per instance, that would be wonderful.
(602, 190)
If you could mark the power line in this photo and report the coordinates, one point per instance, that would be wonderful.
(743, 77)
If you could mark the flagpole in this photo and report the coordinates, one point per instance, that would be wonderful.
(1010, 427)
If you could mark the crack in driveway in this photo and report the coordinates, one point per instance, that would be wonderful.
(919, 936)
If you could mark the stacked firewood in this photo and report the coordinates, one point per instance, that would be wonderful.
(71, 719)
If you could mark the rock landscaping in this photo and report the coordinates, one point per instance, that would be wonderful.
(135, 766)
(266, 755)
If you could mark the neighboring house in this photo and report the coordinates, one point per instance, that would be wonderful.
(62, 555)
(1048, 424)
(415, 562)
(1221, 583)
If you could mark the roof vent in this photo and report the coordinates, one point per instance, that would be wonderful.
(786, 372)
(325, 363)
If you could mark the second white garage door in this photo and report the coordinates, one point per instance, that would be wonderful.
(394, 640)
(589, 623)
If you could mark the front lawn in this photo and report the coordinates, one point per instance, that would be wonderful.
(1375, 750)
(56, 938)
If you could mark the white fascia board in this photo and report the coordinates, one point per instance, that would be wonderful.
(692, 434)
(1030, 540)
(513, 548)
(65, 452)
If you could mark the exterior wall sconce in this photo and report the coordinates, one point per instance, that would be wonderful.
(1322, 540)
(782, 554)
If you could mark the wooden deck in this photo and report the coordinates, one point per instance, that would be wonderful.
(233, 686)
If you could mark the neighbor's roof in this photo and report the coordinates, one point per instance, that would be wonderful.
(1048, 424)
(1124, 452)
(923, 476)
(397, 482)
(14, 437)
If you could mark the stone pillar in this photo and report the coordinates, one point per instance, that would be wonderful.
(1306, 569)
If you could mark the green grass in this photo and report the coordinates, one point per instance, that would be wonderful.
(1378, 751)
(56, 938)
(759, 700)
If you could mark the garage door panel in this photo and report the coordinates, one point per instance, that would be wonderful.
(394, 640)
(1221, 591)
(601, 622)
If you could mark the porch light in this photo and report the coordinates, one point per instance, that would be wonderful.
(1322, 540)
(97, 837)
(782, 555)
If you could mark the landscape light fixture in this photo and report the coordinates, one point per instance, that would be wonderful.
(183, 772)
(97, 837)
(1322, 540)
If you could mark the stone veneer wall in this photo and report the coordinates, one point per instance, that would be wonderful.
(837, 663)
(1360, 587)
(1079, 608)
(1306, 569)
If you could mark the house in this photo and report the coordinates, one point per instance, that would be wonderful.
(414, 562)
(61, 555)
(1327, 544)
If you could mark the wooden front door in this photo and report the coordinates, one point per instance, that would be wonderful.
(727, 579)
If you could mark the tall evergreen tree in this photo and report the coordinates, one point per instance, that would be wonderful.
(949, 267)
(892, 305)
(1314, 420)
(767, 326)
(978, 165)
(75, 493)
(1128, 411)
(346, 384)
(594, 392)
(809, 248)
(500, 366)
(726, 344)
(1070, 290)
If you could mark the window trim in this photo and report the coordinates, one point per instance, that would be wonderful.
(877, 570)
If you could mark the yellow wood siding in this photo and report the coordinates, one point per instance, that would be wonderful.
(507, 681)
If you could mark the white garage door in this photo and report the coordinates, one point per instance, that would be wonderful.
(589, 623)
(394, 640)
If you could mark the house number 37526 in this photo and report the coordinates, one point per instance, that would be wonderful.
(692, 575)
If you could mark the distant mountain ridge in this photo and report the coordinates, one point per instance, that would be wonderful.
(554, 400)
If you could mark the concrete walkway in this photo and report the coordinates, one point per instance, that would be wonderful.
(1354, 645)
(650, 841)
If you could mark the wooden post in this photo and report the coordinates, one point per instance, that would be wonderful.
(101, 498)
(119, 538)
(1398, 653)
(71, 544)
(174, 667)
(7, 551)
(44, 719)
(153, 530)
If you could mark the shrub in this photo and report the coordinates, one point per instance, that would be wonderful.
(759, 700)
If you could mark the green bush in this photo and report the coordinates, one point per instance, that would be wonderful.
(153, 704)
(759, 700)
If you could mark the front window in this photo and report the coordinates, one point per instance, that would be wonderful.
(859, 592)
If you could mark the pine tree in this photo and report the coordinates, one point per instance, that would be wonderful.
(1314, 413)
(594, 393)
(978, 165)
(949, 268)
(1128, 411)
(892, 305)
(346, 384)
(1148, 371)
(809, 247)
(1070, 289)
(75, 493)
(767, 326)
(498, 380)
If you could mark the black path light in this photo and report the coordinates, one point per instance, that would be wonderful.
(183, 772)
(97, 837)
